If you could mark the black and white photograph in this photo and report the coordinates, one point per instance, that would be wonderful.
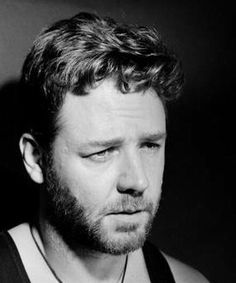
(117, 140)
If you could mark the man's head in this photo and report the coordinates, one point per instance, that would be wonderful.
(74, 54)
(96, 93)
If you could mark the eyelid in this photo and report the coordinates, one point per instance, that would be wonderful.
(93, 155)
(151, 146)
(152, 143)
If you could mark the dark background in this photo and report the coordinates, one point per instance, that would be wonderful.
(197, 218)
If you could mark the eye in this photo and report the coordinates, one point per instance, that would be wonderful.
(152, 146)
(102, 155)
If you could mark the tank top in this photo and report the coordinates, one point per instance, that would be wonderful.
(12, 269)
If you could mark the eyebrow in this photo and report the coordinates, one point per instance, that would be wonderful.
(154, 137)
(148, 137)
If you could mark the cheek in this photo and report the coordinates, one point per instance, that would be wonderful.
(154, 165)
(91, 187)
(154, 172)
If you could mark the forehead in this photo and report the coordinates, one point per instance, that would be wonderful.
(106, 112)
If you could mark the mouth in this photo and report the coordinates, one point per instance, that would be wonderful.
(126, 212)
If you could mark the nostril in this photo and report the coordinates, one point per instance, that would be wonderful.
(132, 182)
(130, 191)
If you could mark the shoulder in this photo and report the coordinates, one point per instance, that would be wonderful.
(183, 273)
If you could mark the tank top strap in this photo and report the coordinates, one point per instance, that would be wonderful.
(11, 267)
(157, 266)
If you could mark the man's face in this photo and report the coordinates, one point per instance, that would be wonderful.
(105, 173)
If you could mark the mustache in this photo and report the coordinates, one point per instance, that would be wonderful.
(128, 204)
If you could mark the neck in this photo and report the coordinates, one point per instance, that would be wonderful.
(69, 265)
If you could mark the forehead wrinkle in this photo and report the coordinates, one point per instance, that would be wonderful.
(117, 141)
(129, 112)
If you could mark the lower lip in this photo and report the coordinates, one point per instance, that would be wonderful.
(129, 216)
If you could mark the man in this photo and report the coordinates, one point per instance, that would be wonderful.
(94, 93)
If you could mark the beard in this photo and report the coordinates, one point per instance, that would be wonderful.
(84, 227)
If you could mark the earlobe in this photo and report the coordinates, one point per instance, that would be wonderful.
(32, 157)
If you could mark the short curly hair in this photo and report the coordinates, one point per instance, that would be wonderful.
(73, 54)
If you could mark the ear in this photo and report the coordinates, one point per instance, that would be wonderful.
(32, 157)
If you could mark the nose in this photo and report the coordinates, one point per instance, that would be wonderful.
(132, 178)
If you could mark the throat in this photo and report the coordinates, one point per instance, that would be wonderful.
(67, 266)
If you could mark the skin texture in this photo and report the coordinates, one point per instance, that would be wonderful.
(109, 158)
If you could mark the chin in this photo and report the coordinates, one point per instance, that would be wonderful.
(123, 244)
(124, 239)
